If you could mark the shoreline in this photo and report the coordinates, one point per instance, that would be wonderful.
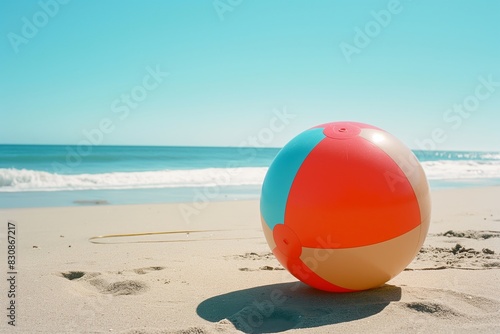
(79, 198)
(215, 282)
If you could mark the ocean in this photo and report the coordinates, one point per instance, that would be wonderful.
(53, 175)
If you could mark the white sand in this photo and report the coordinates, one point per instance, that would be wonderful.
(229, 279)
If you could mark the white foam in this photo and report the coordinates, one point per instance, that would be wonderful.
(461, 169)
(17, 180)
(13, 180)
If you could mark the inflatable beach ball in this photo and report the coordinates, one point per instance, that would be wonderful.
(345, 206)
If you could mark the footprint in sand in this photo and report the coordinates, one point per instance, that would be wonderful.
(254, 256)
(456, 257)
(470, 234)
(261, 268)
(270, 264)
(111, 282)
(444, 304)
(143, 271)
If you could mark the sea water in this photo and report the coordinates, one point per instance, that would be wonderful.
(52, 175)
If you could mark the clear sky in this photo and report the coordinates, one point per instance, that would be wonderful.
(427, 71)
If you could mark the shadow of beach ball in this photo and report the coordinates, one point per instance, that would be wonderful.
(345, 206)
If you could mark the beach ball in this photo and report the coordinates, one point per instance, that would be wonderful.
(345, 206)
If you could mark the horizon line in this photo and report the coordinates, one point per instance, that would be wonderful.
(212, 146)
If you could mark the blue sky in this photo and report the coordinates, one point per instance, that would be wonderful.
(426, 71)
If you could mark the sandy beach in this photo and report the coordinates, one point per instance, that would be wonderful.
(227, 281)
